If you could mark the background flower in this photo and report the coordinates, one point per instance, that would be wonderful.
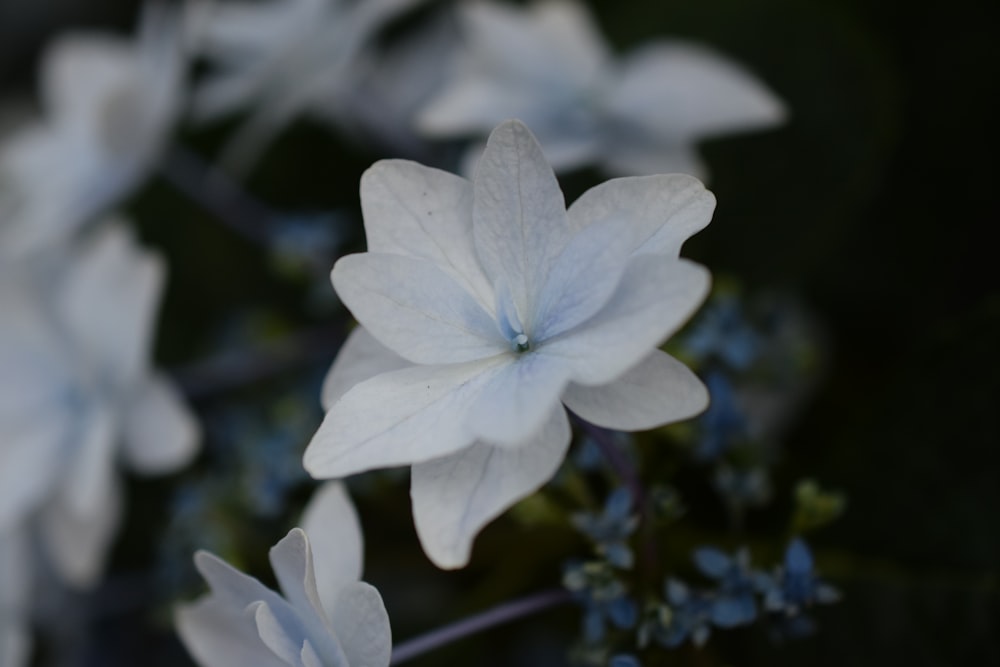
(548, 65)
(325, 616)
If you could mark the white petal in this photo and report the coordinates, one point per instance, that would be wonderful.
(360, 358)
(632, 154)
(548, 44)
(334, 531)
(654, 298)
(516, 401)
(417, 211)
(30, 463)
(415, 309)
(109, 300)
(698, 93)
(292, 562)
(473, 105)
(660, 212)
(80, 72)
(284, 641)
(217, 635)
(582, 278)
(78, 542)
(398, 418)
(519, 216)
(231, 587)
(90, 466)
(160, 432)
(455, 496)
(15, 643)
(658, 390)
(362, 625)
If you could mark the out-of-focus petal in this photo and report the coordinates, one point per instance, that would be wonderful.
(108, 302)
(697, 93)
(76, 542)
(456, 495)
(160, 432)
(658, 390)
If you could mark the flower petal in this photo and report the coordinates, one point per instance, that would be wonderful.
(415, 309)
(362, 625)
(698, 93)
(426, 213)
(398, 418)
(108, 301)
(217, 635)
(331, 522)
(360, 358)
(658, 390)
(660, 212)
(160, 432)
(292, 562)
(654, 298)
(77, 542)
(456, 495)
(582, 278)
(514, 403)
(519, 216)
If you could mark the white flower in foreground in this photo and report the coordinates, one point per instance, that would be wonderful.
(486, 307)
(280, 58)
(548, 65)
(15, 578)
(325, 616)
(77, 394)
(108, 105)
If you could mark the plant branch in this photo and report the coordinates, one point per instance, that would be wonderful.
(498, 615)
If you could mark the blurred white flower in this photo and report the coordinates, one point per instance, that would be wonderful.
(486, 306)
(548, 65)
(324, 617)
(280, 58)
(108, 105)
(15, 578)
(77, 393)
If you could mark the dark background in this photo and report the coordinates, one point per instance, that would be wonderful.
(876, 205)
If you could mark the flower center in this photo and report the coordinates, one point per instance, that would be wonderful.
(520, 343)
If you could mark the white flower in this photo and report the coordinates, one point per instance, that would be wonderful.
(325, 616)
(77, 394)
(280, 58)
(486, 306)
(15, 578)
(548, 65)
(108, 105)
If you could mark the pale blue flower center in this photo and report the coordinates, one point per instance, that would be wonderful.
(520, 343)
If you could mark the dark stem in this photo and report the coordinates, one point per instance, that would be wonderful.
(616, 459)
(220, 194)
(237, 368)
(498, 615)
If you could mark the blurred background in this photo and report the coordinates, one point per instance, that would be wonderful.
(874, 206)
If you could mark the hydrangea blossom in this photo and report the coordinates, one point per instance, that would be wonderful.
(15, 577)
(283, 57)
(486, 307)
(548, 65)
(77, 393)
(108, 104)
(325, 616)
